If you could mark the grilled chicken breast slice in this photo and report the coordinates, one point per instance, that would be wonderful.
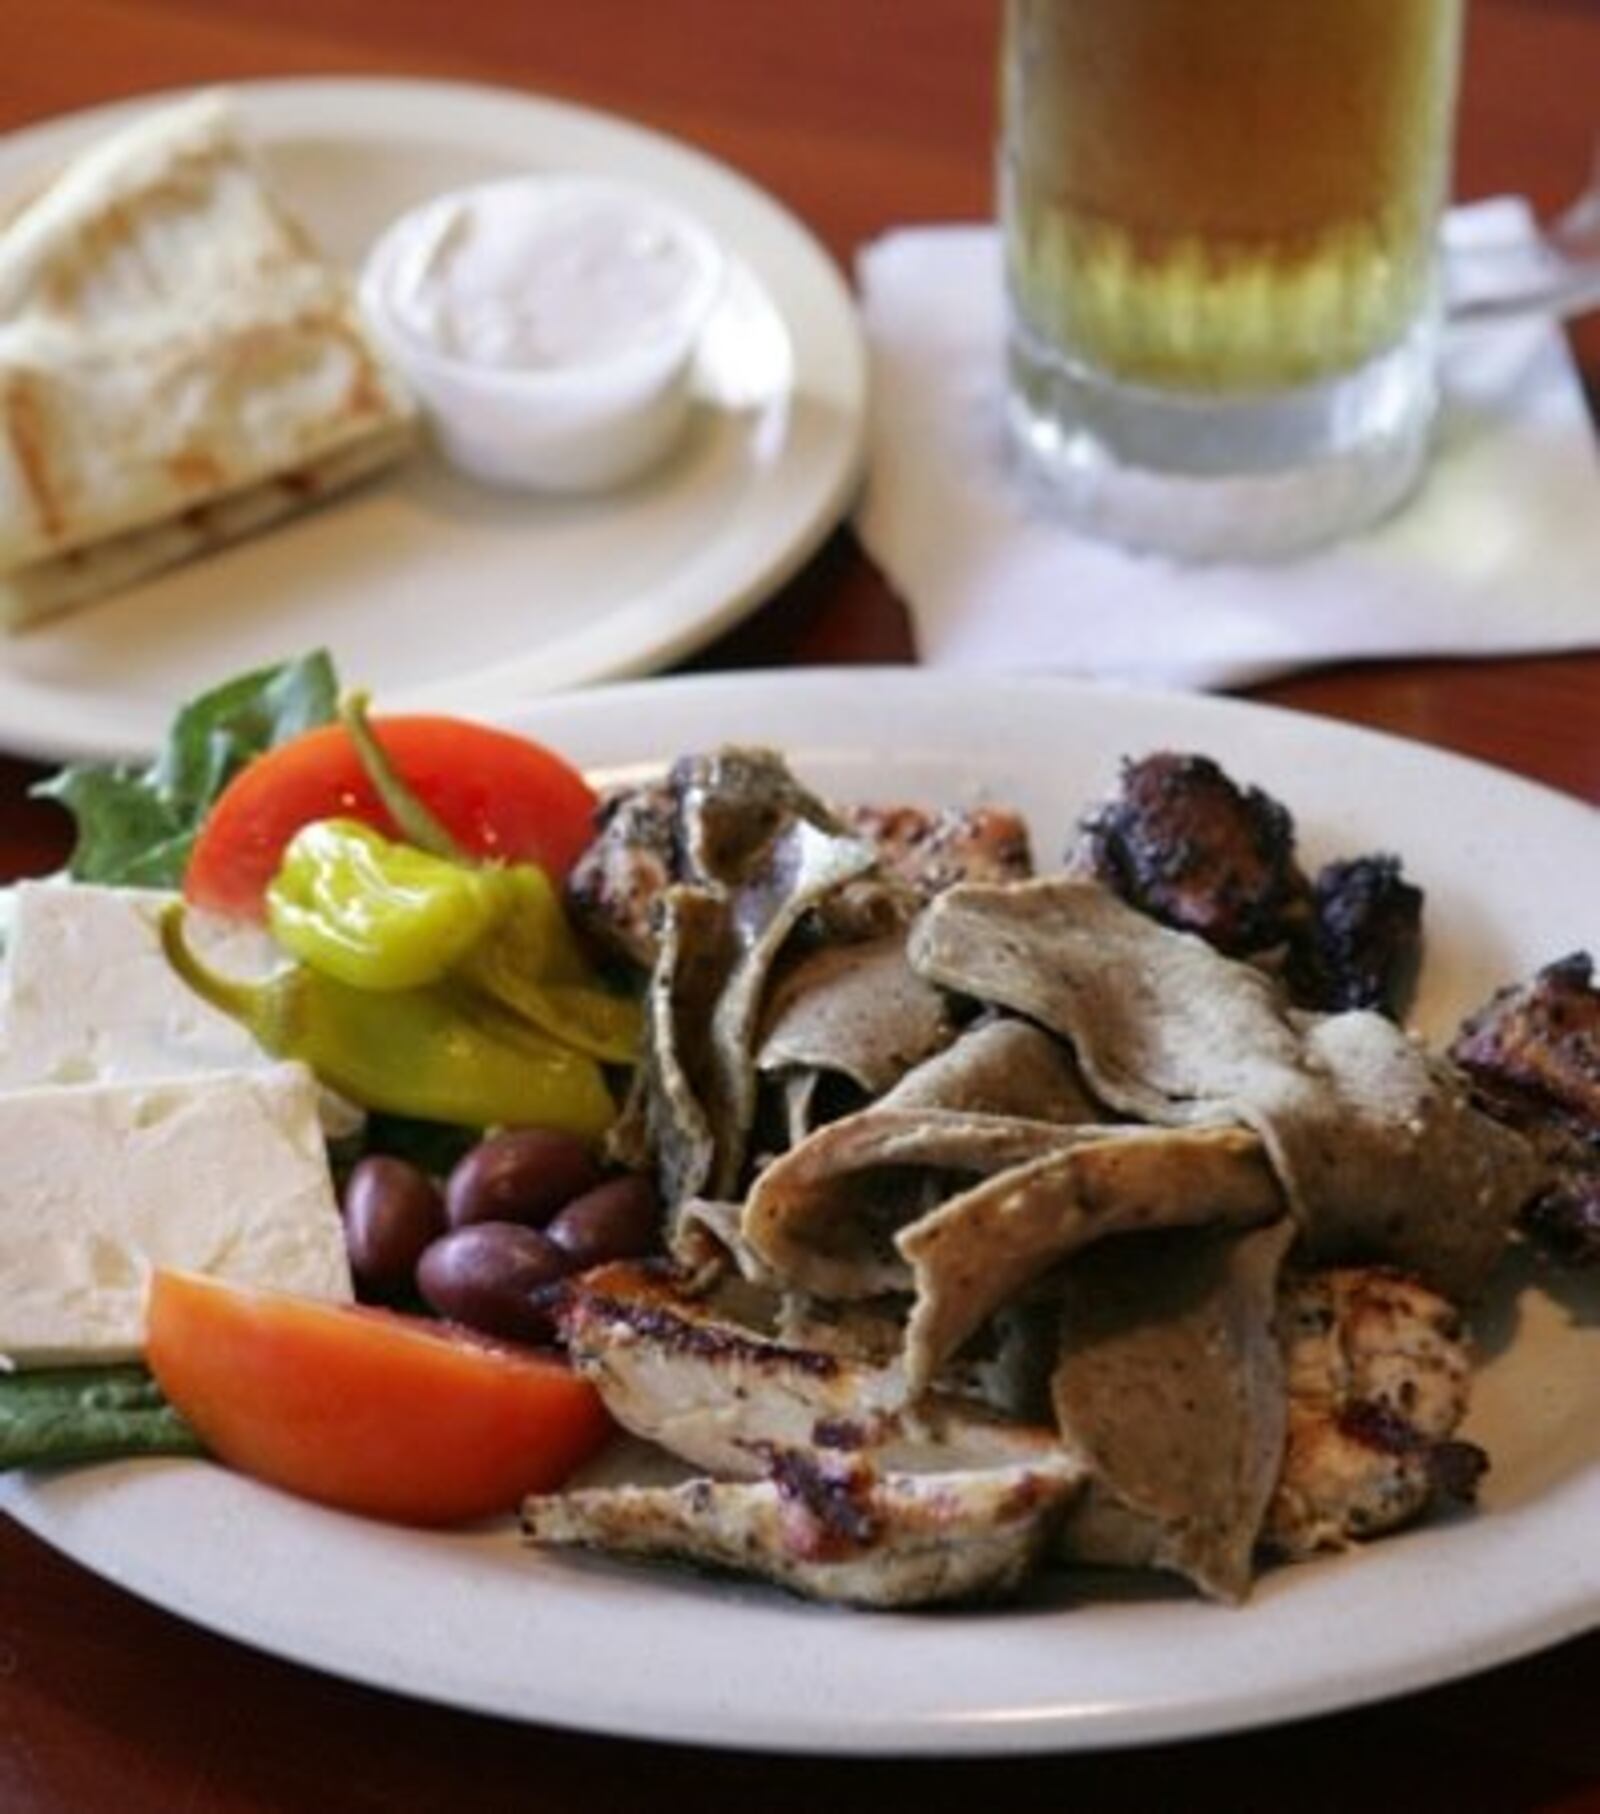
(832, 1527)
(1378, 1384)
(722, 1396)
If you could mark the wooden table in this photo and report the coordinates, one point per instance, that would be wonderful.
(860, 114)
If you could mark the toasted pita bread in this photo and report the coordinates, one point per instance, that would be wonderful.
(178, 365)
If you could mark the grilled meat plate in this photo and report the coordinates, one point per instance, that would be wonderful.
(832, 1526)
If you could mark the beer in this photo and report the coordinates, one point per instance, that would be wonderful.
(1223, 197)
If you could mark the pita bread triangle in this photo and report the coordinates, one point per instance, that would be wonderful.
(178, 364)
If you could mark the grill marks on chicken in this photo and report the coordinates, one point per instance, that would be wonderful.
(719, 1395)
(1378, 1383)
(1533, 1054)
(832, 1527)
(1182, 842)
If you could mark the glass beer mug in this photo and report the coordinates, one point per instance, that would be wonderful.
(1221, 228)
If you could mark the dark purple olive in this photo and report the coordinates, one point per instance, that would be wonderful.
(391, 1213)
(493, 1277)
(617, 1220)
(523, 1175)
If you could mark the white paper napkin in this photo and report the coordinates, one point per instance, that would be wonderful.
(1499, 553)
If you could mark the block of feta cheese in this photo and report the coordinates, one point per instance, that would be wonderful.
(225, 1174)
(89, 996)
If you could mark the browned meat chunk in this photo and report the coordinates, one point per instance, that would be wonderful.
(1182, 843)
(616, 883)
(716, 814)
(1533, 1054)
(1534, 1049)
(931, 851)
(1363, 944)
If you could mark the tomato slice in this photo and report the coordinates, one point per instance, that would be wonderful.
(497, 794)
(387, 1415)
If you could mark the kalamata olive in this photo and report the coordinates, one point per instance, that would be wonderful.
(523, 1175)
(617, 1220)
(391, 1213)
(492, 1277)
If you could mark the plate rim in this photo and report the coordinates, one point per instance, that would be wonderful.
(969, 1733)
(31, 709)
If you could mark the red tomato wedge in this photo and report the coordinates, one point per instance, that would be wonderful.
(387, 1415)
(497, 794)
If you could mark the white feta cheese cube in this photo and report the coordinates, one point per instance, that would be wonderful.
(90, 997)
(225, 1175)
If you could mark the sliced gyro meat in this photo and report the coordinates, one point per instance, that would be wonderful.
(832, 1527)
(979, 1250)
(678, 1065)
(825, 1217)
(1170, 1385)
(858, 1010)
(1380, 1151)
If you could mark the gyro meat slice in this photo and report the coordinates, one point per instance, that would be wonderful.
(1170, 1385)
(1381, 1153)
(859, 1011)
(981, 1249)
(832, 1527)
(719, 1395)
(1379, 1378)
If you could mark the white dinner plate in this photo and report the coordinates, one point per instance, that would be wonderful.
(426, 586)
(1512, 874)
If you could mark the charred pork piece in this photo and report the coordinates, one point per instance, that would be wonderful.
(832, 1527)
(719, 1395)
(1533, 1054)
(1363, 944)
(1378, 1382)
(1182, 843)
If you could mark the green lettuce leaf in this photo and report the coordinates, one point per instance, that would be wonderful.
(136, 824)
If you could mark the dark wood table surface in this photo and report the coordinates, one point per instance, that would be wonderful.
(860, 114)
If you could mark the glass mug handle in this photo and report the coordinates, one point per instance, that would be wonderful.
(1554, 272)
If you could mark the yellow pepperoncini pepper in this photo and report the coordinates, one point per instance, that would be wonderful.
(358, 907)
(375, 914)
(441, 1053)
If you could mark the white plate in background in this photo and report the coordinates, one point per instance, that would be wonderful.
(430, 589)
(1512, 873)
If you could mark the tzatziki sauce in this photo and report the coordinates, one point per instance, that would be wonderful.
(538, 277)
